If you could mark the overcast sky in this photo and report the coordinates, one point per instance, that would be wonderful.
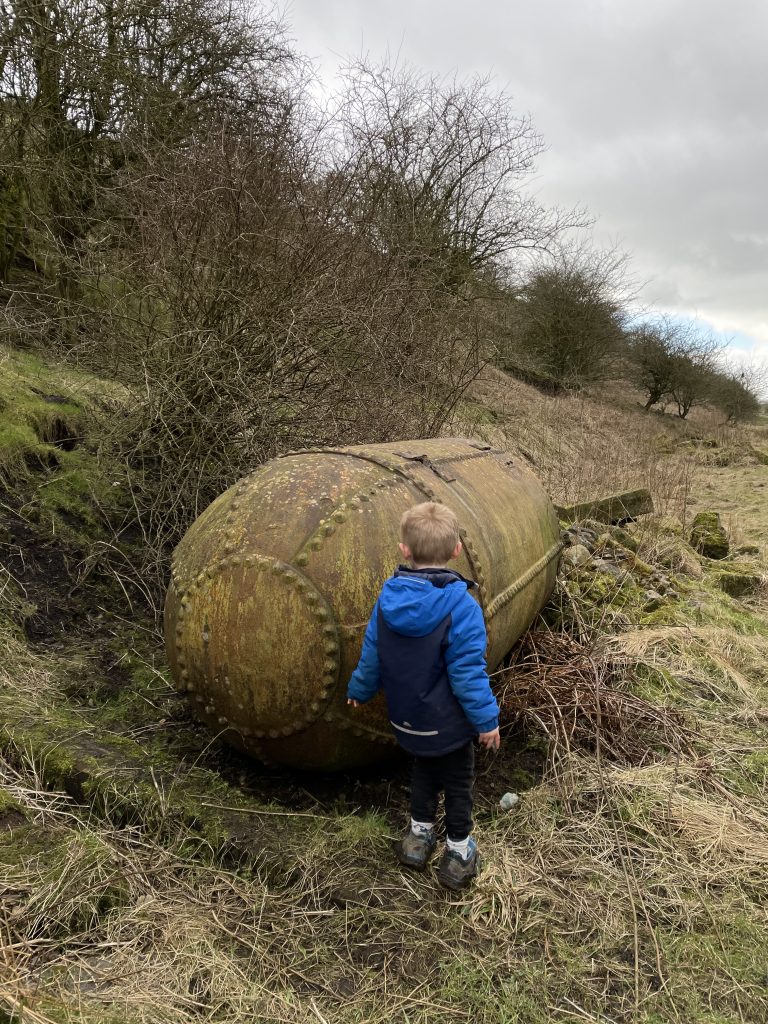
(654, 113)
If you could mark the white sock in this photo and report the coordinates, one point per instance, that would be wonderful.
(421, 828)
(460, 846)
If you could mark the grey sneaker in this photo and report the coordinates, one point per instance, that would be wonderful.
(456, 872)
(414, 851)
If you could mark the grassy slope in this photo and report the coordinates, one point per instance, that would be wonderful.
(629, 885)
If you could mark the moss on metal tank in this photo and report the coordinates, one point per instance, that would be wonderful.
(272, 586)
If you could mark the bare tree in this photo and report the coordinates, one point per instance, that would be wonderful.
(658, 350)
(570, 314)
(251, 319)
(736, 388)
(88, 86)
(258, 276)
(435, 170)
(693, 374)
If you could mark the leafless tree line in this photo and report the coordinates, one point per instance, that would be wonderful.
(573, 321)
(674, 361)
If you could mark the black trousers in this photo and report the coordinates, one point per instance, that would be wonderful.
(452, 774)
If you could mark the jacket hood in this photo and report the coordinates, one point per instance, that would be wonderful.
(414, 601)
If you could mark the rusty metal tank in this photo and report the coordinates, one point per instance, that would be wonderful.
(272, 586)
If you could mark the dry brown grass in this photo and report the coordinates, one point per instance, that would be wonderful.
(580, 446)
(582, 893)
(728, 667)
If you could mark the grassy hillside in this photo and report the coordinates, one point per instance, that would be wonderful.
(150, 875)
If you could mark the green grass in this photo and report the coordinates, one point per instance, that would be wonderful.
(37, 404)
(51, 465)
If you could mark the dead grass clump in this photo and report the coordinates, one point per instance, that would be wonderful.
(662, 544)
(580, 446)
(725, 665)
(577, 696)
(631, 866)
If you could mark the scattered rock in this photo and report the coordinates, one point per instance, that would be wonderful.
(664, 586)
(625, 538)
(653, 601)
(580, 533)
(576, 555)
(592, 526)
(739, 584)
(609, 568)
(748, 549)
(708, 536)
(575, 536)
(671, 526)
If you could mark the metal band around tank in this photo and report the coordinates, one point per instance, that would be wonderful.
(513, 589)
(377, 460)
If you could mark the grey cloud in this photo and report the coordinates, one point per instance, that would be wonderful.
(653, 112)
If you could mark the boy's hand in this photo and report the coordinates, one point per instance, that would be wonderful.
(490, 740)
(354, 703)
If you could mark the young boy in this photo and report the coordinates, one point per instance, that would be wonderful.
(425, 645)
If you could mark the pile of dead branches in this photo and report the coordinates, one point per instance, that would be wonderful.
(581, 698)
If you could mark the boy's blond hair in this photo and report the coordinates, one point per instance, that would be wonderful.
(431, 531)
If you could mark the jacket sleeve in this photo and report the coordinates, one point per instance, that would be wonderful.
(465, 660)
(365, 681)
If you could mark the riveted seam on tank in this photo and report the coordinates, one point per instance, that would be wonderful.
(358, 728)
(477, 570)
(447, 460)
(327, 526)
(425, 489)
(229, 525)
(315, 604)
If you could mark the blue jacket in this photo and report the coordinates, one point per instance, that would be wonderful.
(425, 646)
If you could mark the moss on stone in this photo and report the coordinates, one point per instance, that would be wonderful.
(708, 536)
(739, 583)
(632, 561)
(625, 538)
